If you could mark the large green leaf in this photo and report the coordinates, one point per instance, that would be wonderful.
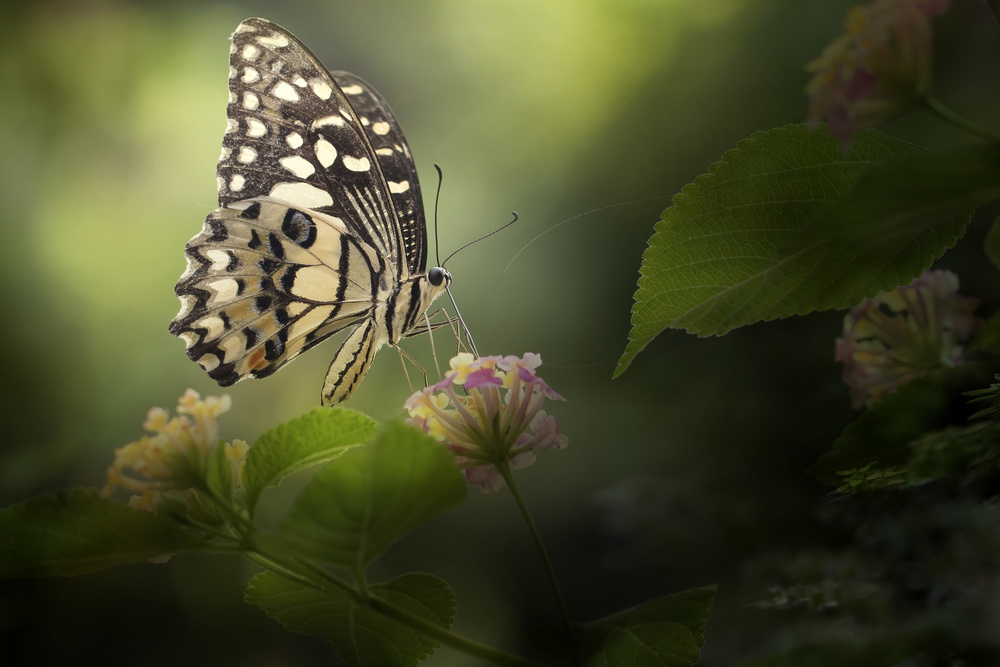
(76, 532)
(883, 433)
(905, 195)
(317, 436)
(365, 500)
(728, 252)
(668, 631)
(361, 635)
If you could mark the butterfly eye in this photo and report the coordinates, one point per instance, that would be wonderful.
(437, 275)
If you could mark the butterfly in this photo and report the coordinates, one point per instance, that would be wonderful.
(320, 224)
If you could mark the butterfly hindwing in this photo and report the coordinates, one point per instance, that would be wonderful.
(266, 282)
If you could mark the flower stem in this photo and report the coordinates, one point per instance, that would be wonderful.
(446, 637)
(504, 469)
(934, 105)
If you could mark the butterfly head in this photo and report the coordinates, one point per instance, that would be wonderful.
(439, 277)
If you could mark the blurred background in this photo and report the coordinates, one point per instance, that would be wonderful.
(584, 116)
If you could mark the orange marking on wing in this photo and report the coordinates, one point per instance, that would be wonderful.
(256, 360)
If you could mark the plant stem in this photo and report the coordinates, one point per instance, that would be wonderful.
(935, 106)
(333, 586)
(504, 469)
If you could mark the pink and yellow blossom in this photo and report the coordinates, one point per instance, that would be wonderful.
(488, 411)
(903, 334)
(877, 68)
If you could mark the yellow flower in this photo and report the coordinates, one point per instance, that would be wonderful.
(175, 455)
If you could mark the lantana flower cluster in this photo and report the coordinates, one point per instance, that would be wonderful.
(877, 68)
(903, 334)
(488, 412)
(176, 454)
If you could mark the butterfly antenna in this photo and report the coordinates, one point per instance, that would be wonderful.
(486, 236)
(437, 198)
(468, 333)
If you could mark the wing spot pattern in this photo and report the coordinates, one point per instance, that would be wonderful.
(326, 153)
(298, 165)
(357, 164)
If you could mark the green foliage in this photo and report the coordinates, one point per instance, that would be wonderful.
(76, 532)
(992, 244)
(884, 432)
(857, 652)
(907, 195)
(315, 437)
(361, 634)
(725, 254)
(364, 501)
(665, 631)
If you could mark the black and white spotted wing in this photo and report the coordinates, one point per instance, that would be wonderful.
(320, 227)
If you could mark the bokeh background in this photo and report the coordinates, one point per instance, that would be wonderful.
(584, 116)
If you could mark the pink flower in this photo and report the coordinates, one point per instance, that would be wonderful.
(903, 334)
(880, 66)
(496, 418)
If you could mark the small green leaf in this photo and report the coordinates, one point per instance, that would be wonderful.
(667, 631)
(719, 258)
(884, 431)
(992, 244)
(317, 436)
(76, 532)
(361, 635)
(364, 501)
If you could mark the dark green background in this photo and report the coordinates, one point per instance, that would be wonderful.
(590, 113)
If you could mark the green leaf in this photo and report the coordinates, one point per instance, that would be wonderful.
(364, 501)
(76, 532)
(317, 436)
(667, 631)
(905, 195)
(361, 635)
(720, 259)
(992, 244)
(884, 431)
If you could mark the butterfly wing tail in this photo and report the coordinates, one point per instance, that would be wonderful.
(351, 364)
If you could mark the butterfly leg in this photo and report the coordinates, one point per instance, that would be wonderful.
(403, 357)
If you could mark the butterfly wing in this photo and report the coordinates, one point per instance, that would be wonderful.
(265, 282)
(307, 239)
(396, 163)
(293, 135)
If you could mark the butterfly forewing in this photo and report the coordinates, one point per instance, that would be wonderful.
(293, 135)
(321, 224)
(396, 162)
